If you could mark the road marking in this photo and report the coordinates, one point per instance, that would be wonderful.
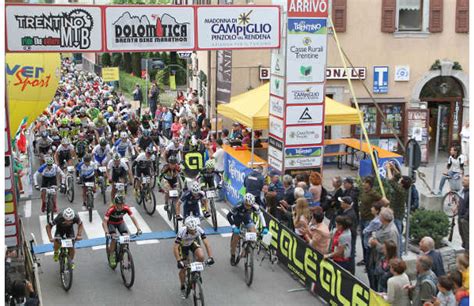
(98, 247)
(44, 234)
(92, 229)
(140, 242)
(224, 222)
(141, 222)
(164, 215)
(28, 209)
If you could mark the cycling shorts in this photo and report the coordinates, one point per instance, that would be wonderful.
(88, 179)
(64, 232)
(184, 250)
(246, 219)
(116, 175)
(122, 228)
(143, 171)
(44, 150)
(48, 181)
(191, 208)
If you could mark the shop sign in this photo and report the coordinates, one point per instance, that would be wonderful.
(43, 28)
(264, 73)
(308, 8)
(238, 27)
(306, 50)
(149, 28)
(276, 106)
(303, 162)
(380, 79)
(277, 86)
(305, 93)
(275, 163)
(308, 114)
(278, 64)
(303, 152)
(339, 73)
(304, 135)
(276, 127)
(402, 73)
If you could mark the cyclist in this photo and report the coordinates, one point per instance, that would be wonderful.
(113, 221)
(91, 134)
(170, 174)
(208, 175)
(101, 152)
(117, 172)
(44, 144)
(145, 141)
(101, 124)
(64, 128)
(56, 138)
(49, 172)
(190, 201)
(142, 165)
(122, 145)
(145, 119)
(87, 173)
(242, 213)
(455, 168)
(76, 126)
(65, 152)
(82, 146)
(64, 223)
(187, 240)
(173, 148)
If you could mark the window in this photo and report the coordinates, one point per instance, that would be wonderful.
(410, 15)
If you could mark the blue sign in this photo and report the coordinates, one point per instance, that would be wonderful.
(307, 26)
(234, 175)
(380, 79)
(302, 152)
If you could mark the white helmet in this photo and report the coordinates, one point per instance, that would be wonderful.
(123, 135)
(250, 199)
(195, 188)
(191, 223)
(68, 214)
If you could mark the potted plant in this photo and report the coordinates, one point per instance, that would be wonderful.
(434, 224)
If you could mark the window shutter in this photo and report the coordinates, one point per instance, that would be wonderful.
(388, 15)
(436, 16)
(462, 16)
(339, 15)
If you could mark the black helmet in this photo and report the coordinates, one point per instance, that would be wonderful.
(103, 142)
(87, 158)
(173, 160)
(119, 199)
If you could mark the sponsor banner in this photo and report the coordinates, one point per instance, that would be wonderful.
(277, 86)
(278, 64)
(238, 27)
(322, 277)
(304, 135)
(234, 175)
(277, 106)
(274, 152)
(310, 114)
(110, 74)
(380, 79)
(276, 127)
(308, 8)
(306, 50)
(224, 76)
(303, 152)
(339, 73)
(275, 143)
(275, 163)
(303, 162)
(51, 28)
(305, 93)
(149, 28)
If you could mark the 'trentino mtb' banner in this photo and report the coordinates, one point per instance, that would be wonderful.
(322, 277)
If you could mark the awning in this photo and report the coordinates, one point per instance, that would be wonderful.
(251, 109)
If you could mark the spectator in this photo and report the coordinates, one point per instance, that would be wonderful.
(351, 191)
(427, 246)
(272, 207)
(340, 244)
(317, 232)
(22, 293)
(176, 127)
(254, 183)
(180, 97)
(397, 292)
(367, 198)
(167, 121)
(205, 129)
(381, 272)
(301, 216)
(407, 182)
(455, 167)
(236, 131)
(246, 137)
(153, 97)
(302, 177)
(445, 295)
(307, 194)
(426, 282)
(332, 207)
(276, 187)
(461, 294)
(289, 194)
(219, 155)
(201, 116)
(462, 265)
(299, 192)
(348, 211)
(225, 136)
(315, 188)
(138, 94)
(184, 132)
(195, 130)
(397, 198)
(463, 215)
(374, 225)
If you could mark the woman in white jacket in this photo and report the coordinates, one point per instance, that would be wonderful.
(397, 291)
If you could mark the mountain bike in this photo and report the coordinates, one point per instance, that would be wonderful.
(50, 197)
(101, 181)
(245, 248)
(146, 195)
(123, 255)
(65, 262)
(172, 202)
(89, 198)
(194, 281)
(211, 195)
(70, 183)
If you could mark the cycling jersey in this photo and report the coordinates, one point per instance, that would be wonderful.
(240, 214)
(144, 143)
(56, 140)
(44, 143)
(100, 153)
(121, 146)
(172, 149)
(81, 147)
(58, 221)
(185, 239)
(117, 171)
(87, 171)
(49, 172)
(65, 149)
(143, 162)
(191, 203)
(169, 174)
(207, 178)
(64, 131)
(114, 216)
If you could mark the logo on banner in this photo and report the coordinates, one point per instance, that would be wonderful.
(305, 115)
(311, 114)
(138, 29)
(276, 126)
(306, 51)
(303, 135)
(305, 93)
(276, 106)
(72, 29)
(239, 28)
(307, 26)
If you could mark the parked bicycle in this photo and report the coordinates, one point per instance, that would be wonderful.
(123, 256)
(451, 200)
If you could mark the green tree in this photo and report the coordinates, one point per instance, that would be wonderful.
(117, 59)
(106, 61)
(136, 64)
(127, 62)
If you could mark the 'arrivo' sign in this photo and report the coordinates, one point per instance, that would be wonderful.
(308, 8)
(117, 28)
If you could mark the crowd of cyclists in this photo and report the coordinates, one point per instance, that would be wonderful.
(91, 128)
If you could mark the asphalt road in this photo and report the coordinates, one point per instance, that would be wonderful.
(156, 272)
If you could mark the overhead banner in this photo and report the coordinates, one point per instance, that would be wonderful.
(152, 28)
(224, 76)
(43, 28)
(238, 27)
(322, 277)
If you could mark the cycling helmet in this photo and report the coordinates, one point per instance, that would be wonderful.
(65, 121)
(65, 141)
(249, 199)
(87, 158)
(110, 109)
(119, 199)
(100, 116)
(44, 134)
(176, 140)
(49, 161)
(191, 223)
(77, 121)
(123, 135)
(149, 150)
(146, 132)
(195, 188)
(117, 156)
(68, 214)
(103, 142)
(210, 164)
(172, 160)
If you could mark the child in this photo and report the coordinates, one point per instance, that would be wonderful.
(445, 295)
(462, 265)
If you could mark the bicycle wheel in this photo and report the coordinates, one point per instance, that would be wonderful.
(65, 270)
(198, 293)
(249, 264)
(173, 213)
(213, 213)
(149, 202)
(169, 211)
(138, 193)
(70, 189)
(450, 203)
(49, 210)
(90, 204)
(103, 189)
(127, 268)
(238, 249)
